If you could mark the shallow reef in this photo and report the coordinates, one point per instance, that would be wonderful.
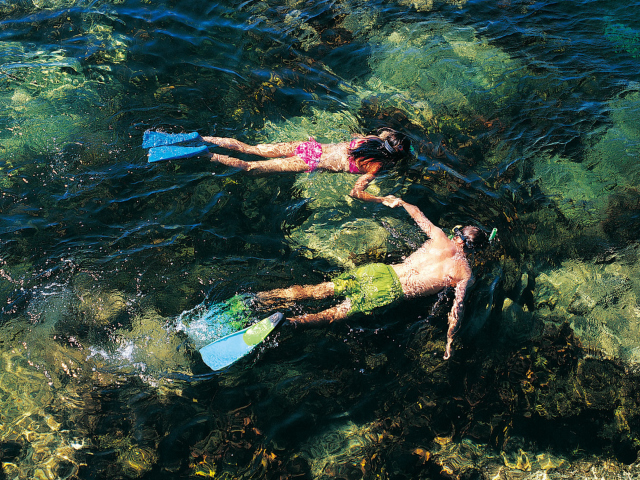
(101, 252)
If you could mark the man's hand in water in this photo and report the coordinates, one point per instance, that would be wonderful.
(391, 201)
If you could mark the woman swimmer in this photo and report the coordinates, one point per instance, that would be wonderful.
(367, 156)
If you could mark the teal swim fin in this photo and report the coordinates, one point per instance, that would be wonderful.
(226, 350)
(152, 138)
(157, 154)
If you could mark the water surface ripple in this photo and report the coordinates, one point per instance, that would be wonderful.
(524, 116)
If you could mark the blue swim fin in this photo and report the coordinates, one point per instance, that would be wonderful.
(226, 350)
(157, 154)
(158, 139)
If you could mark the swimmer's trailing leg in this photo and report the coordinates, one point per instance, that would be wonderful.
(231, 162)
(267, 150)
(339, 312)
(286, 164)
(297, 292)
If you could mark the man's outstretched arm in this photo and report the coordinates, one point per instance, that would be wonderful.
(423, 222)
(454, 315)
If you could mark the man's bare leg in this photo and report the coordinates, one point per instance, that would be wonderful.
(297, 292)
(287, 164)
(268, 150)
(339, 312)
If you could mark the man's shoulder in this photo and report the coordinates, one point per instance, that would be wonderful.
(462, 267)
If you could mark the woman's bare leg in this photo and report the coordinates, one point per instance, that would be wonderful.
(267, 150)
(287, 164)
(339, 312)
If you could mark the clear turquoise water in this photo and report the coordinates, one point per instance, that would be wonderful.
(524, 115)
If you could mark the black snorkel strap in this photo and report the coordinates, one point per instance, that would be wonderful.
(458, 232)
(388, 147)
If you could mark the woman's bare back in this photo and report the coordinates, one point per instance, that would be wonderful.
(335, 157)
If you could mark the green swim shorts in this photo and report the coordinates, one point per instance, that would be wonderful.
(368, 287)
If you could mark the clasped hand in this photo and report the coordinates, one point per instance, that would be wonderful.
(391, 201)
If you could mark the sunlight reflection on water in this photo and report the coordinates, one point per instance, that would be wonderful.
(523, 117)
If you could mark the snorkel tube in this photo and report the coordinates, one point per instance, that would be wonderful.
(494, 232)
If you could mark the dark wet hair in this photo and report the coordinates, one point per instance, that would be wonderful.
(394, 148)
(473, 237)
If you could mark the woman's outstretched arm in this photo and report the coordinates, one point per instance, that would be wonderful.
(358, 191)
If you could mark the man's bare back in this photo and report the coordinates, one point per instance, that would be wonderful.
(439, 263)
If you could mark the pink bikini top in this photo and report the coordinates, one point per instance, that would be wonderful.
(353, 168)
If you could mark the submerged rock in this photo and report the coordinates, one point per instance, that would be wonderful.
(145, 348)
(444, 76)
(51, 101)
(587, 193)
(138, 460)
(517, 323)
(579, 193)
(33, 397)
(340, 229)
(599, 301)
(334, 453)
(102, 307)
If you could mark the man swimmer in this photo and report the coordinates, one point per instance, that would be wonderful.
(439, 263)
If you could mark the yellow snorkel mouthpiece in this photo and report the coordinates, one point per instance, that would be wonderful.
(454, 231)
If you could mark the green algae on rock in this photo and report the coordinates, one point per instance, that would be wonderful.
(599, 300)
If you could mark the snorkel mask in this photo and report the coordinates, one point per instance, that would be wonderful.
(457, 231)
